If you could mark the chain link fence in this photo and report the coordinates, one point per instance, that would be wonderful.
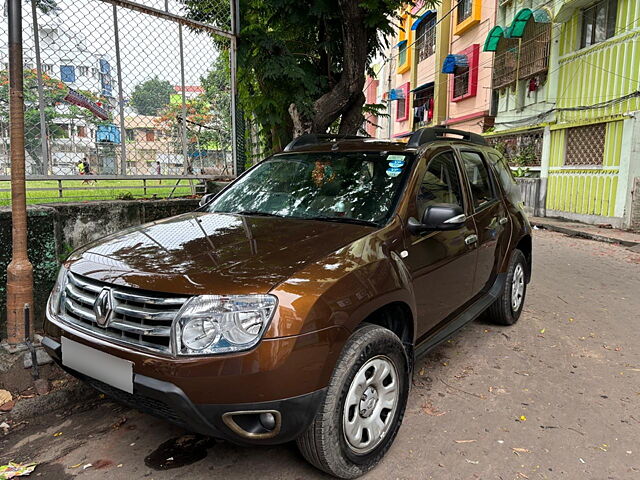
(120, 88)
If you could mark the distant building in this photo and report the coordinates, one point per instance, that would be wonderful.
(433, 76)
(147, 143)
(190, 91)
(65, 55)
(565, 80)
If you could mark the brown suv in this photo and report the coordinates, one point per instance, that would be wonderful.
(292, 304)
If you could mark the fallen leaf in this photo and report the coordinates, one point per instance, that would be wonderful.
(465, 441)
(8, 406)
(581, 460)
(121, 421)
(521, 450)
(522, 475)
(5, 396)
(431, 410)
(474, 462)
(57, 434)
(542, 331)
(522, 418)
(75, 466)
(88, 465)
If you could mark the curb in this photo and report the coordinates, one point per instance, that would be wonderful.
(579, 233)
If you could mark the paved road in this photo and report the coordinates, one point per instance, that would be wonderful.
(571, 367)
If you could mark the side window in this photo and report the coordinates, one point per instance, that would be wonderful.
(440, 184)
(509, 184)
(481, 189)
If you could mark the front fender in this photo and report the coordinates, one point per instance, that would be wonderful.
(343, 289)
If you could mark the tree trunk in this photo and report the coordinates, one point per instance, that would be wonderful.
(353, 119)
(346, 97)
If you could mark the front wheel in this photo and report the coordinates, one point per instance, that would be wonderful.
(507, 308)
(364, 405)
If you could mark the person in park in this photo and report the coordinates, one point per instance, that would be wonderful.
(159, 171)
(85, 169)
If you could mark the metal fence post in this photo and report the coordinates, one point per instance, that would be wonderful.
(20, 270)
(185, 152)
(123, 133)
(235, 26)
(41, 105)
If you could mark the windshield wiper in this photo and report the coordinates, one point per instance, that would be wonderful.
(256, 213)
(355, 221)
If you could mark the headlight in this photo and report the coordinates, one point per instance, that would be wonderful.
(209, 324)
(58, 291)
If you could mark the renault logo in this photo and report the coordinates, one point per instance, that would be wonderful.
(102, 307)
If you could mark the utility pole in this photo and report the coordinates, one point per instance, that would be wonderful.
(20, 270)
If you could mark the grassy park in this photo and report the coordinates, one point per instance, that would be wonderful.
(77, 191)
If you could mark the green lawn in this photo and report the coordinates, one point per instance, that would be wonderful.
(117, 189)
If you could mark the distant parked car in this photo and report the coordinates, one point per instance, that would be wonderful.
(293, 303)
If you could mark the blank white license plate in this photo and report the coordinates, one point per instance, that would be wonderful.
(111, 370)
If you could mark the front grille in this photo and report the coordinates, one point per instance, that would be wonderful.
(138, 317)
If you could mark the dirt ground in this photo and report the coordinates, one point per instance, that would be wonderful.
(557, 396)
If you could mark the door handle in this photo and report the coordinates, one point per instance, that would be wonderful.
(471, 239)
(503, 220)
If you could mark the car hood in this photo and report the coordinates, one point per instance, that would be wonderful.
(212, 253)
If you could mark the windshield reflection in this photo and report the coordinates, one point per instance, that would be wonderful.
(348, 187)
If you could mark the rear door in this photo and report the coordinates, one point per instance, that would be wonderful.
(442, 264)
(490, 216)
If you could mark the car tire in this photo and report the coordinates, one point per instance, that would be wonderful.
(372, 372)
(508, 306)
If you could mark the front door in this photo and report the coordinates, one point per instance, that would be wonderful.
(442, 264)
(490, 216)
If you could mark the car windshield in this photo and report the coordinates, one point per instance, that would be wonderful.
(342, 187)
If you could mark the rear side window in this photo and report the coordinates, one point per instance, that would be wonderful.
(509, 184)
(440, 184)
(482, 190)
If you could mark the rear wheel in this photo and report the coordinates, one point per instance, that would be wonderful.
(364, 405)
(507, 308)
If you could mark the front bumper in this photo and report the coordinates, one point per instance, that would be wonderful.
(167, 401)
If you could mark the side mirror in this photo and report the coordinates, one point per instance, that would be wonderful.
(206, 198)
(442, 216)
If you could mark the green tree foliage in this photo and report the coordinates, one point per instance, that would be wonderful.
(208, 119)
(302, 63)
(150, 97)
(54, 92)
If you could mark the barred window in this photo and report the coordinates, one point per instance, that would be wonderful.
(426, 37)
(505, 62)
(585, 145)
(461, 82)
(520, 149)
(534, 53)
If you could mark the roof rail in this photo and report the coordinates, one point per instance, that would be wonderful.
(315, 138)
(424, 135)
